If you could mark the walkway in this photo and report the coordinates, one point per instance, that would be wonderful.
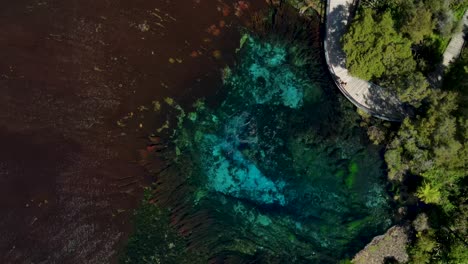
(373, 99)
(456, 43)
(451, 53)
(367, 96)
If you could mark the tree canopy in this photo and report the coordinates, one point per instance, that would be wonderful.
(418, 23)
(429, 150)
(373, 48)
(433, 147)
(376, 51)
(456, 79)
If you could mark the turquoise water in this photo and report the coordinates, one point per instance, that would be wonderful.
(281, 168)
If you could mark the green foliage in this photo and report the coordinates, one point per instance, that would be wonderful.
(432, 147)
(429, 194)
(376, 51)
(418, 24)
(376, 134)
(459, 7)
(391, 42)
(396, 166)
(442, 244)
(373, 47)
(411, 87)
(458, 253)
(421, 251)
(457, 76)
(456, 80)
(423, 17)
(429, 52)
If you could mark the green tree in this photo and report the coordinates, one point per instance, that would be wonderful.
(373, 48)
(418, 24)
(433, 147)
(424, 246)
(456, 79)
(375, 51)
(411, 88)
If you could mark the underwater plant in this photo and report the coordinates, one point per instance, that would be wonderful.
(280, 172)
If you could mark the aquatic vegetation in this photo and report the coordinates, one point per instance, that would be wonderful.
(353, 170)
(154, 241)
(279, 171)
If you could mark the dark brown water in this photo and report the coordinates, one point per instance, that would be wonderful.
(69, 70)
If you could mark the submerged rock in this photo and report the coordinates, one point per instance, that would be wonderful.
(230, 173)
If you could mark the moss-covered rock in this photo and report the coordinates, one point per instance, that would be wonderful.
(390, 246)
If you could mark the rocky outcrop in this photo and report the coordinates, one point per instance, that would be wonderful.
(390, 246)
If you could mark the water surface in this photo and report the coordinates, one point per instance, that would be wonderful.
(73, 77)
(279, 169)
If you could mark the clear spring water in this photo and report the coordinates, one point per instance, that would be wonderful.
(283, 162)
